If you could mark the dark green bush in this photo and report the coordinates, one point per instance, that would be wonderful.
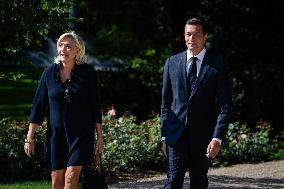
(14, 163)
(128, 147)
(243, 145)
(132, 147)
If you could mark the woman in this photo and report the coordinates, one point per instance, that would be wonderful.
(67, 95)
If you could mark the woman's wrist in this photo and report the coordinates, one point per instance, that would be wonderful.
(29, 140)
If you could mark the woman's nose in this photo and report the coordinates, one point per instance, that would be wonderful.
(63, 49)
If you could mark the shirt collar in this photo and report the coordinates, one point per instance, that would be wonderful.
(200, 56)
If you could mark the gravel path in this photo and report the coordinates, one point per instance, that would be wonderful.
(268, 175)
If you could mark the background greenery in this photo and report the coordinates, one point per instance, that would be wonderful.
(140, 35)
(130, 147)
(249, 37)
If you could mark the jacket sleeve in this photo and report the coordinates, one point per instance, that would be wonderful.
(95, 97)
(167, 97)
(224, 102)
(40, 102)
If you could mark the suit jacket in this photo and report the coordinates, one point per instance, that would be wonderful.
(206, 109)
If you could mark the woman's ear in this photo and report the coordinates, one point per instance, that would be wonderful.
(77, 51)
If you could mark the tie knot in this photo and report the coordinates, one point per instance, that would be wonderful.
(194, 59)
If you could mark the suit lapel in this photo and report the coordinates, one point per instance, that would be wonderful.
(203, 70)
(183, 69)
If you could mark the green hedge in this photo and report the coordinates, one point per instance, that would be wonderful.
(132, 147)
(14, 164)
(243, 145)
(128, 147)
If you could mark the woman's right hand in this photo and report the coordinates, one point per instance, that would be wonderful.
(29, 145)
(29, 148)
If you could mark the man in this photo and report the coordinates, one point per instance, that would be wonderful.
(196, 102)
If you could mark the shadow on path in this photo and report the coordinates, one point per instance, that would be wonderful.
(226, 182)
(216, 182)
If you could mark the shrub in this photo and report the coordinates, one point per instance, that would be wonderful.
(243, 145)
(129, 147)
(132, 147)
(14, 163)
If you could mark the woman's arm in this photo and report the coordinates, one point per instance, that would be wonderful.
(99, 142)
(29, 146)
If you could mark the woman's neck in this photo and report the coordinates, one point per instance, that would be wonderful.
(65, 71)
(68, 66)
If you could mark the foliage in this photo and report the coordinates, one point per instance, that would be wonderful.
(128, 147)
(131, 147)
(27, 24)
(121, 29)
(244, 145)
(280, 152)
(144, 41)
(14, 164)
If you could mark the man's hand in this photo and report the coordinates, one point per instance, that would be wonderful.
(213, 149)
(164, 149)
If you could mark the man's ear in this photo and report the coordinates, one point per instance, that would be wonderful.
(205, 37)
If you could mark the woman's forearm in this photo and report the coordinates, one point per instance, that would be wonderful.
(99, 130)
(31, 131)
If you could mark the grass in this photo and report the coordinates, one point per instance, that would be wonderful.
(16, 97)
(27, 185)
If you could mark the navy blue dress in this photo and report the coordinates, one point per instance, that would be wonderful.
(72, 108)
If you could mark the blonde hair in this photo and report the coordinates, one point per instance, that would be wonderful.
(79, 43)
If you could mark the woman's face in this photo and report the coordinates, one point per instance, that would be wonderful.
(67, 50)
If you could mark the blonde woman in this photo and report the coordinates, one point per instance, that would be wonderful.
(67, 95)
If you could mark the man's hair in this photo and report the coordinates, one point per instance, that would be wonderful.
(197, 21)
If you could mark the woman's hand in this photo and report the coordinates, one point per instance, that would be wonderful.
(29, 148)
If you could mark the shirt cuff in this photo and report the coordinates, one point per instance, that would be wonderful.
(218, 140)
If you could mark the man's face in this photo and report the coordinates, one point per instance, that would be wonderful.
(194, 38)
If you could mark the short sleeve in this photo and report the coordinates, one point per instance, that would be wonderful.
(40, 102)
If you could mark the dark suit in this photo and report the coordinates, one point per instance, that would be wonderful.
(190, 119)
